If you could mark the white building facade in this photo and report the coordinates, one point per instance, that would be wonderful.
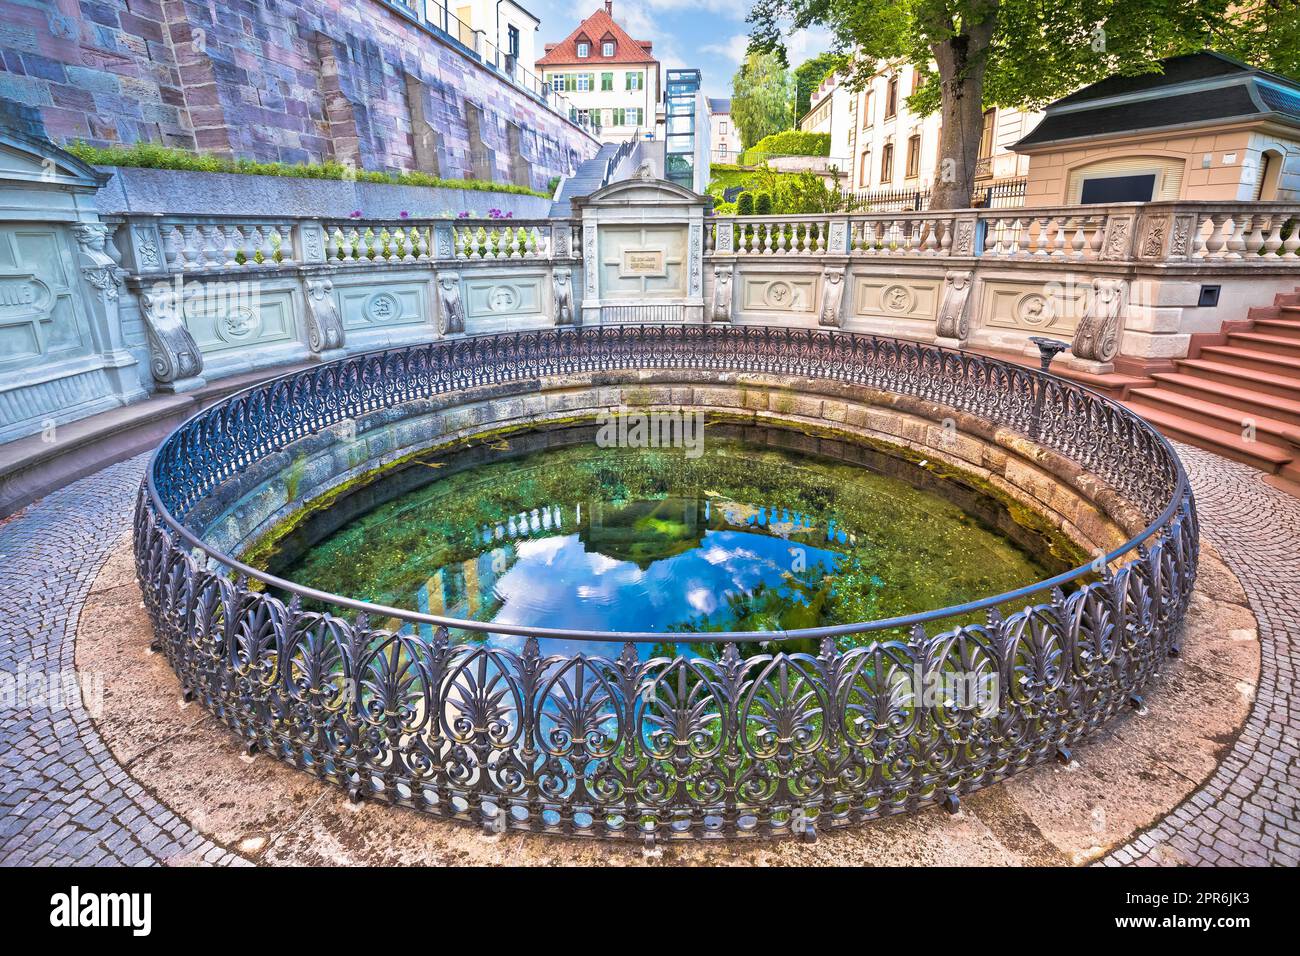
(724, 145)
(606, 75)
(891, 149)
(506, 25)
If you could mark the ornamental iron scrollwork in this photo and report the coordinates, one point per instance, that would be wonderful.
(705, 740)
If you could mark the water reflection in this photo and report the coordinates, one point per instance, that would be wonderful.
(743, 538)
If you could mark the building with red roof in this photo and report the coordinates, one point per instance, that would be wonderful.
(603, 70)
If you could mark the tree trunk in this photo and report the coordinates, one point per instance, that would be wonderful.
(961, 62)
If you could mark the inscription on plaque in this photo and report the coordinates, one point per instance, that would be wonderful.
(643, 262)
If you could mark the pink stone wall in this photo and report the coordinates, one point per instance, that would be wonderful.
(272, 80)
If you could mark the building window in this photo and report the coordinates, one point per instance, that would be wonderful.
(512, 42)
(866, 109)
(891, 97)
(607, 48)
(916, 80)
(913, 155)
(722, 128)
(887, 163)
(864, 170)
(986, 134)
(557, 82)
(584, 50)
(607, 81)
(633, 81)
(584, 82)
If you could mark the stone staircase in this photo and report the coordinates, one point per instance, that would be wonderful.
(586, 179)
(1238, 395)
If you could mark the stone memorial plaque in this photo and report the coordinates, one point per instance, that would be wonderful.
(643, 262)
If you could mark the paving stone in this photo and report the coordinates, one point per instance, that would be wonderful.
(73, 804)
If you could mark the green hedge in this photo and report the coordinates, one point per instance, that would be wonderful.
(792, 142)
(154, 156)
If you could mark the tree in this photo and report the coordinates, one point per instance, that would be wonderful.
(761, 98)
(1023, 53)
(808, 75)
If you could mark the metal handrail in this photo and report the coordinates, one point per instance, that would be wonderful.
(1040, 382)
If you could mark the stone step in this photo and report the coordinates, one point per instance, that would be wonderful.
(1230, 444)
(1250, 358)
(1283, 385)
(1273, 431)
(1265, 341)
(1248, 400)
(1290, 328)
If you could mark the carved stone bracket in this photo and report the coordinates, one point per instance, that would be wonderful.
(953, 324)
(324, 326)
(562, 294)
(451, 315)
(174, 357)
(724, 279)
(833, 289)
(1097, 337)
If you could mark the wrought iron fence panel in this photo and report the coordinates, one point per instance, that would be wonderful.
(709, 741)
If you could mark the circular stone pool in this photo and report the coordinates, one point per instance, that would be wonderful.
(843, 478)
(728, 535)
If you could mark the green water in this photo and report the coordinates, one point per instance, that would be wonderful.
(743, 537)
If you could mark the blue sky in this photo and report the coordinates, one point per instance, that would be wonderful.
(708, 34)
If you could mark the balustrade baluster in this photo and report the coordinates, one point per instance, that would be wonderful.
(173, 247)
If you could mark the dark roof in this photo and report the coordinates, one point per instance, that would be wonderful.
(1226, 90)
(719, 105)
(1178, 69)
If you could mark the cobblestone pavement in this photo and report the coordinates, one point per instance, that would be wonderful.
(1248, 812)
(64, 799)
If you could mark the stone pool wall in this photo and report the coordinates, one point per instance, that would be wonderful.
(250, 514)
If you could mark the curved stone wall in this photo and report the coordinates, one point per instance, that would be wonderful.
(254, 512)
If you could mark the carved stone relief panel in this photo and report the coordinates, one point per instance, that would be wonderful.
(501, 297)
(783, 292)
(371, 305)
(898, 298)
(1034, 308)
(239, 316)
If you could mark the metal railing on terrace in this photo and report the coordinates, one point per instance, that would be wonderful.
(442, 22)
(994, 194)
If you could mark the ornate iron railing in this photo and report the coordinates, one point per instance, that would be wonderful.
(713, 743)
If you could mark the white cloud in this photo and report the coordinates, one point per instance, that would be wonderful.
(733, 50)
(643, 25)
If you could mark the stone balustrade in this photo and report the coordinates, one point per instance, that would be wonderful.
(1126, 284)
(1138, 232)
